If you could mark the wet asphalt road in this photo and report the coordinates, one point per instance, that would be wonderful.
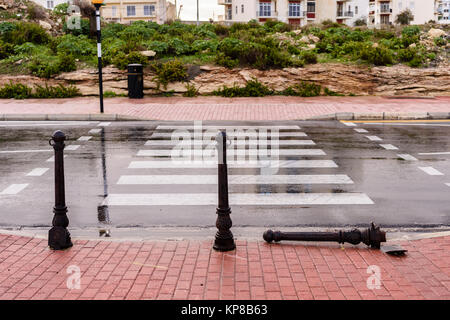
(390, 190)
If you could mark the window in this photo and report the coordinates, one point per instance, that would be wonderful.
(294, 9)
(356, 9)
(412, 5)
(384, 19)
(50, 4)
(311, 7)
(236, 9)
(265, 9)
(242, 8)
(384, 7)
(149, 10)
(131, 11)
(113, 11)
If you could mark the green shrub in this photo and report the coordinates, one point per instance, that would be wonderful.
(205, 45)
(44, 66)
(411, 31)
(310, 57)
(178, 47)
(122, 60)
(15, 91)
(84, 26)
(404, 17)
(78, 46)
(440, 41)
(406, 55)
(303, 89)
(26, 32)
(225, 61)
(171, 71)
(6, 49)
(360, 22)
(253, 88)
(191, 92)
(53, 92)
(329, 92)
(66, 63)
(379, 56)
(160, 47)
(138, 30)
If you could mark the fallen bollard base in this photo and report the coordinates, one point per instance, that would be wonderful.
(372, 236)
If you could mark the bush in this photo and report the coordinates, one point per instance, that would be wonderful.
(66, 63)
(160, 47)
(205, 45)
(225, 61)
(303, 89)
(440, 41)
(309, 57)
(411, 31)
(69, 26)
(360, 22)
(379, 56)
(58, 91)
(178, 47)
(78, 46)
(171, 71)
(44, 66)
(26, 32)
(15, 91)
(404, 17)
(191, 92)
(6, 49)
(122, 60)
(253, 88)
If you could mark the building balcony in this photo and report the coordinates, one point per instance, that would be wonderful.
(344, 14)
(266, 14)
(385, 10)
(298, 15)
(225, 2)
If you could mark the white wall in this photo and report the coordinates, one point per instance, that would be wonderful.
(44, 3)
(249, 10)
(363, 10)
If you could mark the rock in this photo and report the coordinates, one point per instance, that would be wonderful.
(209, 68)
(311, 46)
(375, 45)
(304, 39)
(412, 45)
(436, 33)
(148, 53)
(3, 6)
(45, 25)
(313, 38)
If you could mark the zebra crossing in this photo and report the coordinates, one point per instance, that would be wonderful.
(167, 152)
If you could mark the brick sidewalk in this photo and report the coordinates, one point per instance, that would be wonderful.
(217, 108)
(192, 270)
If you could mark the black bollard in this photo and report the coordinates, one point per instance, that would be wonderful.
(224, 240)
(59, 236)
(372, 236)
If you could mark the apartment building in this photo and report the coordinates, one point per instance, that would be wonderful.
(127, 11)
(49, 4)
(441, 12)
(296, 12)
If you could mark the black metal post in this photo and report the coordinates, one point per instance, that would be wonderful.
(372, 236)
(99, 53)
(59, 236)
(224, 240)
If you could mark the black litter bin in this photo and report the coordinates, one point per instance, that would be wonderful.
(135, 81)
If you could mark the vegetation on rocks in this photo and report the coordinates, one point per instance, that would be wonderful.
(21, 91)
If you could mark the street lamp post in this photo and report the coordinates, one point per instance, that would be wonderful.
(98, 4)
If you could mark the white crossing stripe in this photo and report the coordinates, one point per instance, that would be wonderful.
(231, 153)
(374, 138)
(361, 130)
(434, 153)
(41, 123)
(37, 172)
(249, 142)
(72, 147)
(431, 171)
(14, 189)
(236, 179)
(84, 138)
(95, 131)
(26, 151)
(217, 127)
(103, 124)
(447, 184)
(200, 199)
(349, 124)
(234, 134)
(388, 146)
(407, 157)
(52, 159)
(233, 164)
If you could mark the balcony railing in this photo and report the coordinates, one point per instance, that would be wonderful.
(385, 10)
(300, 14)
(311, 15)
(224, 2)
(266, 14)
(344, 14)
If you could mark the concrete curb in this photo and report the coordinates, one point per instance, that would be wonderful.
(333, 116)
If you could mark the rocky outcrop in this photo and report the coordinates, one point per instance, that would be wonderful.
(346, 79)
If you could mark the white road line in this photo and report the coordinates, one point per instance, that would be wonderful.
(361, 130)
(72, 147)
(37, 172)
(94, 131)
(182, 127)
(14, 189)
(235, 179)
(388, 146)
(103, 124)
(201, 199)
(374, 138)
(84, 138)
(407, 157)
(233, 134)
(431, 171)
(233, 164)
(231, 153)
(233, 142)
(408, 124)
(52, 159)
(44, 124)
(26, 151)
(447, 184)
(433, 153)
(349, 124)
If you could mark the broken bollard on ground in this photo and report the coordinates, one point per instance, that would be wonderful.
(58, 235)
(372, 236)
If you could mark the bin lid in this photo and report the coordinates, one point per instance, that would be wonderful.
(135, 65)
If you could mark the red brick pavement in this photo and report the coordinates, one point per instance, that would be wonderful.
(192, 270)
(217, 108)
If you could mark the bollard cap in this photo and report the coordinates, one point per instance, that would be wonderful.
(58, 136)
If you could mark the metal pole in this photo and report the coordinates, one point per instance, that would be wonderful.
(224, 240)
(59, 236)
(198, 14)
(372, 236)
(99, 54)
